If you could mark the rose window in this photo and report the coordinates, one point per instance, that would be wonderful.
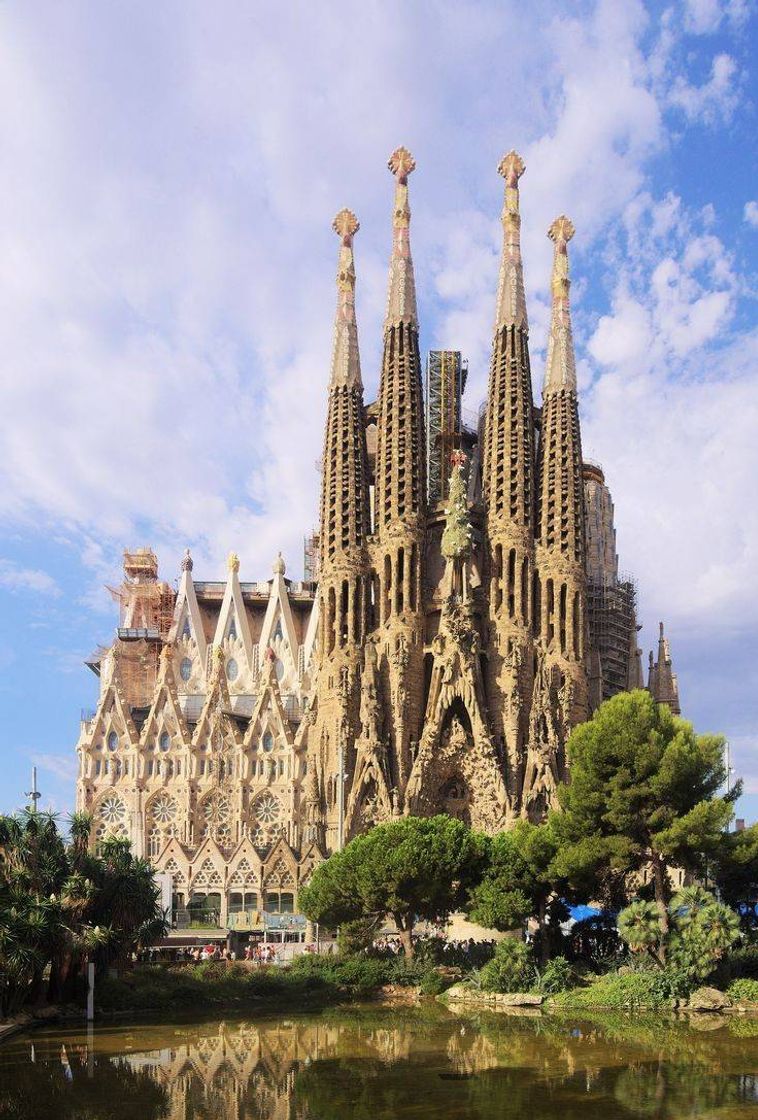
(267, 809)
(163, 810)
(217, 809)
(112, 810)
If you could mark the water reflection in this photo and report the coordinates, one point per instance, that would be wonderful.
(374, 1063)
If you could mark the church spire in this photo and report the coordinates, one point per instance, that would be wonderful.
(344, 492)
(401, 291)
(346, 362)
(400, 486)
(511, 302)
(560, 500)
(560, 368)
(662, 681)
(508, 487)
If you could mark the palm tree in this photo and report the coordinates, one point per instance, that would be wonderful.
(640, 927)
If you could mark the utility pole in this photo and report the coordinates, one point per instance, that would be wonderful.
(34, 794)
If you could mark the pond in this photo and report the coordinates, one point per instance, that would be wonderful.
(376, 1062)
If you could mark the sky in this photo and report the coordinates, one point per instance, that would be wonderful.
(168, 177)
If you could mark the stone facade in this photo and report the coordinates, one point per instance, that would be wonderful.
(244, 730)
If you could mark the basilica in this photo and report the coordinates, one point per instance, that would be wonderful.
(466, 611)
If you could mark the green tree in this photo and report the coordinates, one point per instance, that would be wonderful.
(735, 873)
(519, 882)
(412, 869)
(643, 794)
(62, 904)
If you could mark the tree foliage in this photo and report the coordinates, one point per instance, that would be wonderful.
(62, 904)
(412, 869)
(735, 871)
(643, 794)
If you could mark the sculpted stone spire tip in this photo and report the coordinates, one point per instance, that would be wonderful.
(560, 367)
(346, 362)
(401, 295)
(510, 309)
(346, 225)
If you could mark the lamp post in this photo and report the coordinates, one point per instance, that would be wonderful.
(34, 794)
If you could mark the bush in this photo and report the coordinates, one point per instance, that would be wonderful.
(511, 968)
(432, 983)
(654, 988)
(742, 963)
(743, 991)
(557, 976)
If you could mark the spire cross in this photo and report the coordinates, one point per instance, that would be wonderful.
(401, 297)
(510, 307)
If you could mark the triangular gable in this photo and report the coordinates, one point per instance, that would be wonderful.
(112, 700)
(278, 630)
(188, 624)
(233, 613)
(279, 863)
(269, 709)
(165, 700)
(174, 860)
(208, 864)
(309, 861)
(217, 696)
(245, 866)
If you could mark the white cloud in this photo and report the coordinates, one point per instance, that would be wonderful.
(714, 100)
(15, 578)
(704, 17)
(750, 214)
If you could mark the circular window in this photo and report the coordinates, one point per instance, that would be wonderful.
(112, 740)
(268, 741)
(163, 809)
(231, 669)
(165, 741)
(185, 669)
(112, 810)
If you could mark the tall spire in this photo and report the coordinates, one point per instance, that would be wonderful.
(560, 367)
(400, 488)
(508, 487)
(401, 292)
(344, 494)
(511, 302)
(346, 362)
(561, 548)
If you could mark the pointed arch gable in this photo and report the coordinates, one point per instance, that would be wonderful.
(309, 642)
(217, 695)
(165, 699)
(279, 611)
(186, 607)
(269, 711)
(233, 608)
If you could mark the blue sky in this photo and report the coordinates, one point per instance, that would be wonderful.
(169, 175)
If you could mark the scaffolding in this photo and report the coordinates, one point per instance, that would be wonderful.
(311, 557)
(146, 613)
(612, 619)
(446, 374)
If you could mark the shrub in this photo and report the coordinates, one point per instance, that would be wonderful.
(511, 968)
(742, 963)
(654, 988)
(743, 991)
(432, 983)
(557, 976)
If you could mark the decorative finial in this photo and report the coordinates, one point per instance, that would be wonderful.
(187, 564)
(511, 167)
(560, 365)
(346, 225)
(233, 562)
(562, 229)
(279, 566)
(510, 308)
(401, 295)
(270, 654)
(458, 458)
(401, 163)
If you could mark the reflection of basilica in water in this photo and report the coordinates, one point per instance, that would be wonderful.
(372, 1063)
